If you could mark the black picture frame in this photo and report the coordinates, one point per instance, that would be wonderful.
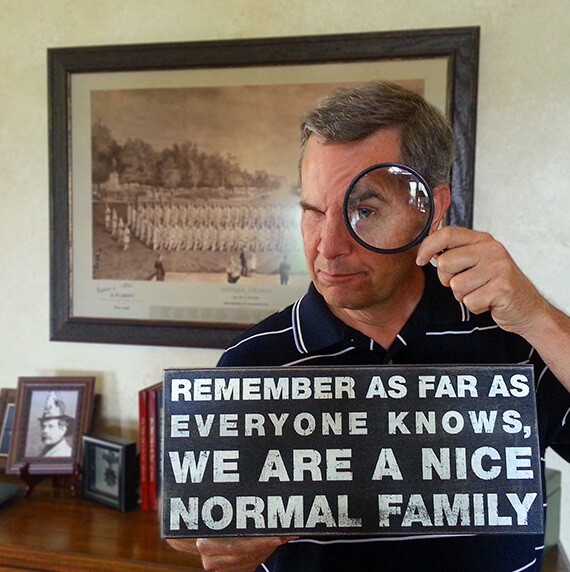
(459, 46)
(110, 471)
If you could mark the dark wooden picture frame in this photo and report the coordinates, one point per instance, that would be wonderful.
(458, 46)
(110, 471)
(52, 414)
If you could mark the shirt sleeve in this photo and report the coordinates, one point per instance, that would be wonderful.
(553, 409)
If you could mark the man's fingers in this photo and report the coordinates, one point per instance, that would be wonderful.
(469, 260)
(447, 238)
(184, 545)
(237, 554)
(483, 276)
(239, 562)
(243, 544)
(481, 300)
(228, 545)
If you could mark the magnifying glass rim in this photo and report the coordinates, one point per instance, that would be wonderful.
(416, 240)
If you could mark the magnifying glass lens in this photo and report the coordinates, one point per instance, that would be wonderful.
(388, 208)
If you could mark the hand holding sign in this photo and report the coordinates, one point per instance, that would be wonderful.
(235, 554)
(483, 276)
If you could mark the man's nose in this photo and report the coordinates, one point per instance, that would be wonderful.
(334, 240)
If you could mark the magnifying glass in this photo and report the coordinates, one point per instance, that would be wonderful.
(388, 208)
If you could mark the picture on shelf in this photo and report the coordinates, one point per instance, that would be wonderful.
(51, 430)
(7, 409)
(51, 415)
(106, 472)
(6, 429)
(110, 471)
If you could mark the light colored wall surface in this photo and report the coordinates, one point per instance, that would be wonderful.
(522, 186)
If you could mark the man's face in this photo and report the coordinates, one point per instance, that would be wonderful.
(53, 431)
(349, 276)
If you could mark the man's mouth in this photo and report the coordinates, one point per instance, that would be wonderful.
(337, 276)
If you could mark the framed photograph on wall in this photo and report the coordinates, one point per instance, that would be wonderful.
(51, 416)
(174, 173)
(110, 471)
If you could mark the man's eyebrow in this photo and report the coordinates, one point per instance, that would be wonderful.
(366, 195)
(308, 206)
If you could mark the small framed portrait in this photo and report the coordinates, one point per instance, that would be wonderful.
(51, 415)
(7, 410)
(109, 471)
(6, 424)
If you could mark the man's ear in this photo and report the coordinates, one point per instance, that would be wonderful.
(441, 201)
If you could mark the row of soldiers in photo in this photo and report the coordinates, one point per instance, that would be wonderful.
(215, 227)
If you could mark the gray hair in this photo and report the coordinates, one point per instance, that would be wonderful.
(351, 114)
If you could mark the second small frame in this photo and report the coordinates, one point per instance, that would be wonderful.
(109, 471)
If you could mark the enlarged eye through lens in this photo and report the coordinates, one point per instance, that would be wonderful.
(362, 213)
(388, 208)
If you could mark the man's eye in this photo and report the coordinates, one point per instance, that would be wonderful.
(363, 212)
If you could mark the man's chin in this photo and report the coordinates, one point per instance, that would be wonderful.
(343, 298)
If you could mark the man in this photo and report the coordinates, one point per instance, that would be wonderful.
(284, 271)
(159, 272)
(370, 308)
(55, 427)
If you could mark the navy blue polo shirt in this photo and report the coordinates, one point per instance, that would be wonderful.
(440, 330)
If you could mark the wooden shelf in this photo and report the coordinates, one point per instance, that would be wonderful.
(53, 531)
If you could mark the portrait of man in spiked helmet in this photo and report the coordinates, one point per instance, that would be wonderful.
(56, 425)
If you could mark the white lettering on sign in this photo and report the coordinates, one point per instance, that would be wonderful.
(387, 466)
(261, 424)
(396, 387)
(519, 386)
(262, 388)
(190, 469)
(461, 386)
(486, 463)
(454, 422)
(306, 465)
(453, 510)
(274, 512)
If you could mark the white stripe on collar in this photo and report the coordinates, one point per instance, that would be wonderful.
(262, 334)
(296, 321)
(565, 417)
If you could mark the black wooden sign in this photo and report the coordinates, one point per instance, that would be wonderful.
(350, 450)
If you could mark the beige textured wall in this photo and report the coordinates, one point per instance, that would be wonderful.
(522, 187)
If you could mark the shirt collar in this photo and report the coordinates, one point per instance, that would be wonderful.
(316, 327)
